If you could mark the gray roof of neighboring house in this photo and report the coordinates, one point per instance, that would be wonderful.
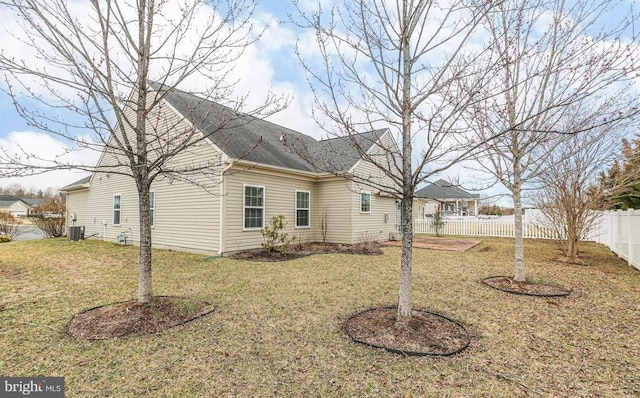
(33, 201)
(7, 203)
(84, 180)
(442, 189)
(9, 197)
(256, 140)
(8, 200)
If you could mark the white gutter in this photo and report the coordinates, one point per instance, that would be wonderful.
(255, 165)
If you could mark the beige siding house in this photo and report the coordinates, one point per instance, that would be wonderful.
(264, 170)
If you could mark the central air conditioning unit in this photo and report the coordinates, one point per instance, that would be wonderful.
(76, 233)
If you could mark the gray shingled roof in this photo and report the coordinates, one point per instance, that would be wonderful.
(8, 200)
(341, 153)
(84, 180)
(33, 201)
(256, 140)
(442, 189)
(7, 203)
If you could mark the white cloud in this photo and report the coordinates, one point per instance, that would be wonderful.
(44, 146)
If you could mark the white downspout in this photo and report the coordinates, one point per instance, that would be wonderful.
(221, 220)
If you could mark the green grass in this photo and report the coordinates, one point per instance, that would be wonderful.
(277, 327)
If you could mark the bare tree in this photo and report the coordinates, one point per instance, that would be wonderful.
(51, 216)
(9, 225)
(27, 193)
(549, 55)
(392, 64)
(569, 194)
(90, 77)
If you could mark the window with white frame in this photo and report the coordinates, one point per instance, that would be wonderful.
(365, 202)
(303, 209)
(253, 205)
(117, 208)
(152, 208)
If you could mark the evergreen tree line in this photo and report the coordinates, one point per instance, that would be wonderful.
(619, 186)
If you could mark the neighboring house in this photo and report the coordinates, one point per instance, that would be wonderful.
(18, 207)
(451, 199)
(265, 170)
(32, 202)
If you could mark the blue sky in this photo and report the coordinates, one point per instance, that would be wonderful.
(270, 63)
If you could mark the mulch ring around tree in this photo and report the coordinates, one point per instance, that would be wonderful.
(527, 288)
(129, 318)
(428, 333)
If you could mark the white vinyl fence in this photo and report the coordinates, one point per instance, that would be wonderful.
(473, 226)
(620, 231)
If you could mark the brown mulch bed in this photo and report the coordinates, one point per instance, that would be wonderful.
(528, 288)
(428, 333)
(132, 319)
(434, 243)
(308, 249)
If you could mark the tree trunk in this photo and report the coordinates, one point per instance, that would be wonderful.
(573, 233)
(141, 169)
(145, 286)
(519, 239)
(403, 315)
(572, 247)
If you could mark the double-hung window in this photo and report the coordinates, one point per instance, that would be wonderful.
(302, 209)
(117, 208)
(253, 206)
(365, 202)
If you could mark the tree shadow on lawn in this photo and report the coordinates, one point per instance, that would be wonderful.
(526, 288)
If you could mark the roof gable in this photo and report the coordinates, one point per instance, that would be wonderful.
(9, 198)
(7, 201)
(343, 153)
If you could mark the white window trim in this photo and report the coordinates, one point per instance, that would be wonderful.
(295, 214)
(244, 205)
(113, 209)
(360, 204)
(152, 206)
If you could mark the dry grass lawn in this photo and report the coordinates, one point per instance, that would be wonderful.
(277, 327)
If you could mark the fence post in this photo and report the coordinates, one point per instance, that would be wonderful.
(630, 239)
(610, 227)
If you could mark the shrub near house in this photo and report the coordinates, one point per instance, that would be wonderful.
(9, 226)
(51, 218)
